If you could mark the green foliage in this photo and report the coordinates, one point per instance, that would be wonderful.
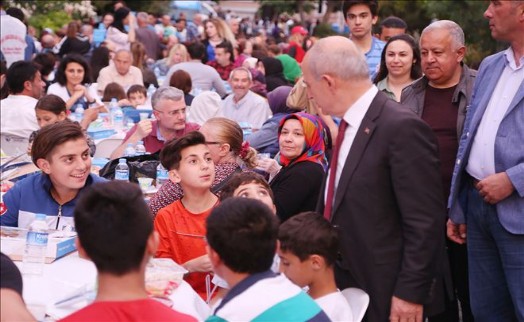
(54, 20)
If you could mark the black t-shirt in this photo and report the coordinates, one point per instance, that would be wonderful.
(10, 276)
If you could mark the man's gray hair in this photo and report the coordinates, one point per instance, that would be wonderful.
(166, 93)
(241, 69)
(455, 31)
(344, 62)
(142, 15)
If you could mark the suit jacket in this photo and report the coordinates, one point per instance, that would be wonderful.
(389, 210)
(509, 148)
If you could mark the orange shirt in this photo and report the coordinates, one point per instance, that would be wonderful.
(182, 239)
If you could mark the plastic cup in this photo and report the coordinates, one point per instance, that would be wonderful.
(144, 116)
(145, 183)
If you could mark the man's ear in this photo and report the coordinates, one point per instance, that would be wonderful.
(43, 165)
(174, 176)
(81, 251)
(461, 52)
(28, 85)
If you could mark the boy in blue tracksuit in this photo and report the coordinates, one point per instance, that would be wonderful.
(61, 152)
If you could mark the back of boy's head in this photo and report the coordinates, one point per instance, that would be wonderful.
(53, 135)
(243, 232)
(307, 234)
(137, 89)
(242, 178)
(171, 153)
(113, 225)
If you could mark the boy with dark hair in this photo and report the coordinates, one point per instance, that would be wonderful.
(242, 238)
(249, 185)
(360, 16)
(392, 26)
(182, 224)
(308, 251)
(60, 150)
(137, 95)
(115, 231)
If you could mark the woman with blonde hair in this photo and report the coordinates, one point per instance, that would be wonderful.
(229, 153)
(177, 54)
(216, 31)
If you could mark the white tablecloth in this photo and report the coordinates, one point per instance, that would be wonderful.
(69, 274)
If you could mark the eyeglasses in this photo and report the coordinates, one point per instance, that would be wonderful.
(173, 113)
(212, 142)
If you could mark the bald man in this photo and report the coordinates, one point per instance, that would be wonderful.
(120, 71)
(383, 190)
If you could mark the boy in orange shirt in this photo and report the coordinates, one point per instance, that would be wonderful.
(181, 225)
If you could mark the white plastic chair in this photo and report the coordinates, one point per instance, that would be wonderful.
(12, 144)
(105, 147)
(358, 301)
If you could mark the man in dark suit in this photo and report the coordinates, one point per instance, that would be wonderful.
(385, 195)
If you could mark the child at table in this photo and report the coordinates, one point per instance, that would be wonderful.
(242, 239)
(137, 95)
(308, 251)
(115, 231)
(181, 225)
(61, 152)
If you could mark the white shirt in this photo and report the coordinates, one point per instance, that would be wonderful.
(335, 306)
(353, 116)
(61, 91)
(252, 108)
(481, 162)
(109, 74)
(18, 115)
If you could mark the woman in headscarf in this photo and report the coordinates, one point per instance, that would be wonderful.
(296, 173)
(274, 72)
(265, 140)
(117, 35)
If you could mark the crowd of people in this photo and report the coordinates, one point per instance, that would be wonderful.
(298, 167)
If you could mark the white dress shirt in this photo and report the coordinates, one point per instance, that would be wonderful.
(481, 162)
(18, 115)
(353, 116)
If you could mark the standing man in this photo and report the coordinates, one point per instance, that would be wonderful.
(440, 98)
(169, 109)
(392, 26)
(487, 191)
(361, 15)
(224, 58)
(383, 190)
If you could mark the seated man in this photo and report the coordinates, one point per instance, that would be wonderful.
(115, 231)
(18, 109)
(242, 239)
(244, 105)
(169, 109)
(120, 71)
(60, 150)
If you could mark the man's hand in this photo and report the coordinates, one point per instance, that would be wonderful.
(456, 232)
(199, 264)
(495, 187)
(144, 128)
(405, 311)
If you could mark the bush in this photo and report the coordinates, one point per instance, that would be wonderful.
(54, 20)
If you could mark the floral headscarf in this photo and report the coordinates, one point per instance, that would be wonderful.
(314, 150)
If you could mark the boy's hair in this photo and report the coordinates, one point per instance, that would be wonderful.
(243, 232)
(113, 90)
(52, 103)
(307, 234)
(242, 178)
(113, 225)
(171, 153)
(137, 89)
(393, 22)
(53, 135)
(372, 4)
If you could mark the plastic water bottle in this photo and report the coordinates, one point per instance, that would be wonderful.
(36, 246)
(122, 170)
(118, 119)
(161, 175)
(140, 149)
(130, 150)
(151, 90)
(79, 112)
(113, 107)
